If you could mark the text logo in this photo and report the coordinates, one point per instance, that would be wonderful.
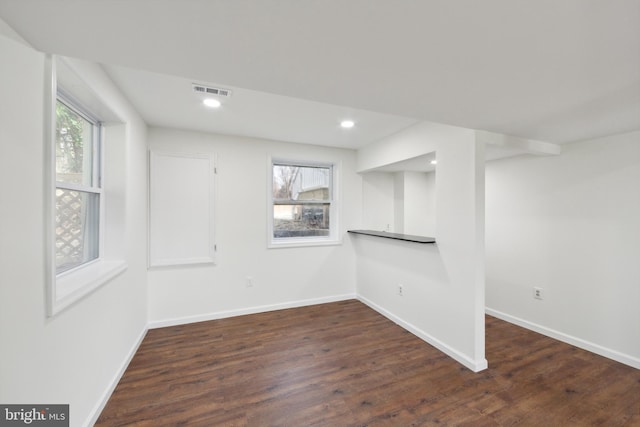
(34, 415)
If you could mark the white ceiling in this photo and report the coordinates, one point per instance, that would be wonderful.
(548, 70)
(171, 102)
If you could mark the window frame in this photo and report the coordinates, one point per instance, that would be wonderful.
(67, 288)
(334, 237)
(96, 172)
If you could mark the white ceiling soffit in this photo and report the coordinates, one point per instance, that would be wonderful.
(415, 164)
(74, 88)
(545, 70)
(523, 146)
(168, 101)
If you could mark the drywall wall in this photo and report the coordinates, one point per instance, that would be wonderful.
(378, 201)
(420, 203)
(443, 284)
(398, 202)
(281, 277)
(75, 356)
(569, 224)
(401, 202)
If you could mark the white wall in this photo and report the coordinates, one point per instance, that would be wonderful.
(398, 201)
(443, 299)
(420, 203)
(401, 202)
(282, 276)
(569, 224)
(378, 201)
(76, 356)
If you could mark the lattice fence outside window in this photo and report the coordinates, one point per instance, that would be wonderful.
(69, 228)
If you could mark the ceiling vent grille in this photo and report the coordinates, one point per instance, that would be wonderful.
(207, 90)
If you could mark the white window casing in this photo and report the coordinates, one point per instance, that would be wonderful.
(303, 203)
(66, 286)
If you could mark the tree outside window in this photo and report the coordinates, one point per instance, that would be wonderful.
(302, 198)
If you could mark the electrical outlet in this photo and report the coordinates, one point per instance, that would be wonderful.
(538, 293)
(400, 290)
(249, 282)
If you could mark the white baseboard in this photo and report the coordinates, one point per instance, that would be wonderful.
(474, 365)
(634, 362)
(249, 310)
(97, 410)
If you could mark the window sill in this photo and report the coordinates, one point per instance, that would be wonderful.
(73, 285)
(301, 243)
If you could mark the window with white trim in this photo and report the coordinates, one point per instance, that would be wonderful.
(303, 203)
(79, 260)
(78, 186)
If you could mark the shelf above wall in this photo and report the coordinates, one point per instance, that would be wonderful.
(395, 236)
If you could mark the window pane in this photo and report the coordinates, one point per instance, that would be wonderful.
(301, 182)
(74, 147)
(76, 228)
(302, 220)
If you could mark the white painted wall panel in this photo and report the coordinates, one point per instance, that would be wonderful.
(378, 206)
(181, 209)
(420, 203)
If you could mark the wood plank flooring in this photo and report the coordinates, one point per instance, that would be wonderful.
(343, 364)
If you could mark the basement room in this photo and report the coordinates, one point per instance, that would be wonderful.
(320, 213)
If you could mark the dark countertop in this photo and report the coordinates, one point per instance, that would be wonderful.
(396, 236)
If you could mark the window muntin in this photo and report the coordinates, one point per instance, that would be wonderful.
(78, 192)
(302, 201)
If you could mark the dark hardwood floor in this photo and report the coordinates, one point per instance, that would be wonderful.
(343, 364)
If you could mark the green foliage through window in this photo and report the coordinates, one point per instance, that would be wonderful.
(74, 138)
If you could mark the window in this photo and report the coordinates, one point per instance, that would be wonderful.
(78, 188)
(79, 260)
(303, 204)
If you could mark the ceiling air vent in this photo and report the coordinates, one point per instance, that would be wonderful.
(207, 90)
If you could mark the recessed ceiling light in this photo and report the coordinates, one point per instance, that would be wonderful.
(211, 103)
(347, 124)
(433, 162)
